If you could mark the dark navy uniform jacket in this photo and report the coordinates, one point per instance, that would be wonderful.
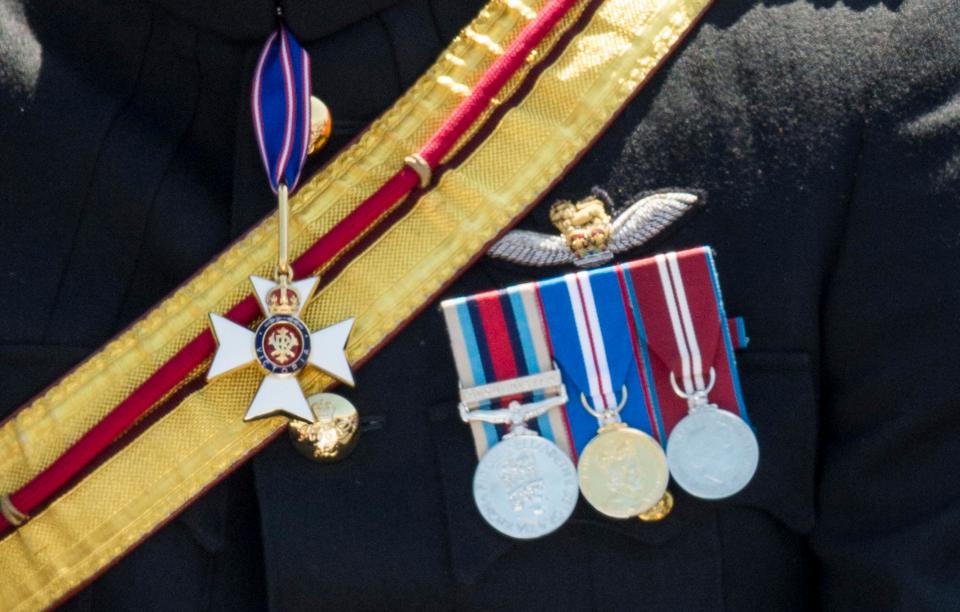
(824, 139)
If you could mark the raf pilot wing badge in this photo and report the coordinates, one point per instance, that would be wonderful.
(590, 236)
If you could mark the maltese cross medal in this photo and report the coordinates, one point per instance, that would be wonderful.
(282, 346)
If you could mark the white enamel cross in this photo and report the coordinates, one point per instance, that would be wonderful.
(282, 346)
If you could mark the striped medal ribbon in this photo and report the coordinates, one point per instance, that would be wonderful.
(712, 451)
(525, 484)
(622, 468)
(282, 344)
(280, 103)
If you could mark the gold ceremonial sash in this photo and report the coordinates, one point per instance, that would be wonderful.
(158, 472)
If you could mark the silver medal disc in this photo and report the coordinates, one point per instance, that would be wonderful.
(712, 453)
(525, 487)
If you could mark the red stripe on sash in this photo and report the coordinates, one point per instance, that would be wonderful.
(492, 81)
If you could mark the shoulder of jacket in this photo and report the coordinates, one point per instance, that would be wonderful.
(919, 59)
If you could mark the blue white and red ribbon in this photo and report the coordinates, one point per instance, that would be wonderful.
(281, 107)
(591, 335)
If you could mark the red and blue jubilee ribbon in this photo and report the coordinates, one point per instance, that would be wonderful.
(281, 107)
(688, 333)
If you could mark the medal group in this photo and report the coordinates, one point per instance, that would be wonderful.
(605, 382)
(608, 382)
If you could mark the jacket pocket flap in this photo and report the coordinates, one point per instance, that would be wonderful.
(782, 404)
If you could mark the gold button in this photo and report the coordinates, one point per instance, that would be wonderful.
(660, 511)
(321, 123)
(334, 434)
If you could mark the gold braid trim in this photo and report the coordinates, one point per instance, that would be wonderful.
(41, 432)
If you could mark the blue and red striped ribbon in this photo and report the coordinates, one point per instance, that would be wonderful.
(499, 335)
(281, 107)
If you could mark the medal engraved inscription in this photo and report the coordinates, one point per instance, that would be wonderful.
(623, 472)
(282, 344)
(712, 453)
(525, 487)
(513, 386)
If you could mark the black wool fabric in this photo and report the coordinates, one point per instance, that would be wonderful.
(824, 139)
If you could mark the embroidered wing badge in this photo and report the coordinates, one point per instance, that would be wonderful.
(589, 235)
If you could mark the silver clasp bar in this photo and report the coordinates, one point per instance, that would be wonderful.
(547, 382)
(542, 381)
